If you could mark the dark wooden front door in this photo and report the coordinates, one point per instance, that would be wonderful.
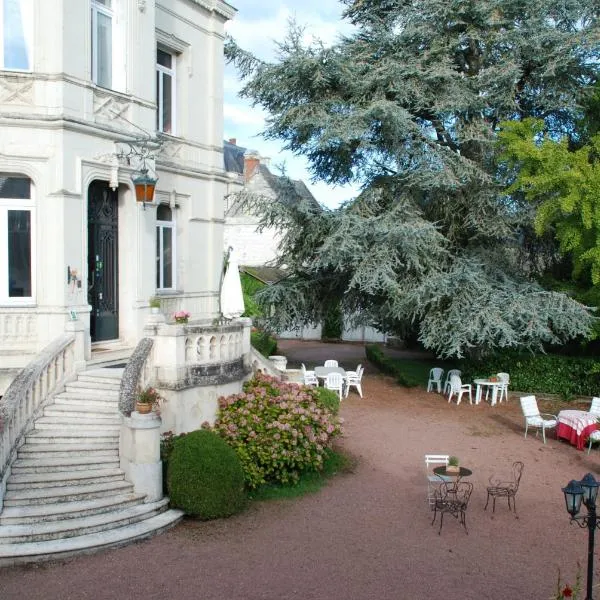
(103, 261)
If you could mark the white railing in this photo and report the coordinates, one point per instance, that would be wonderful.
(211, 347)
(26, 395)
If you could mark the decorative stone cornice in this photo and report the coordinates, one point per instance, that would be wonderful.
(218, 6)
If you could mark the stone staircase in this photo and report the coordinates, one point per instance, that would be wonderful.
(66, 494)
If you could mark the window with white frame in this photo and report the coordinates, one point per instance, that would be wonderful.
(16, 34)
(16, 240)
(165, 248)
(102, 42)
(165, 91)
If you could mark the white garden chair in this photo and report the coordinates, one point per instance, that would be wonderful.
(335, 382)
(434, 481)
(435, 378)
(331, 363)
(354, 378)
(309, 377)
(504, 378)
(594, 437)
(595, 406)
(448, 376)
(459, 388)
(533, 417)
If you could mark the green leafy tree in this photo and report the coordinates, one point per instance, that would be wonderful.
(408, 106)
(561, 179)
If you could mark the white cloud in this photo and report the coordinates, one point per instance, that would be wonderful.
(244, 115)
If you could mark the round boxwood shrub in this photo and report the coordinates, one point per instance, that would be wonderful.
(205, 477)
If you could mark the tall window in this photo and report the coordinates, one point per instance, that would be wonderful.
(16, 32)
(165, 248)
(16, 240)
(102, 42)
(165, 91)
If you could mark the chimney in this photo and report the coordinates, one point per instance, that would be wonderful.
(251, 164)
(233, 141)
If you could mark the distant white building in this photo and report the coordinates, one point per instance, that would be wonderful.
(257, 251)
(79, 80)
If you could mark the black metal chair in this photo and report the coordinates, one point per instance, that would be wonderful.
(505, 489)
(453, 499)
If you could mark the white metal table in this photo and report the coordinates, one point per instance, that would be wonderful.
(481, 383)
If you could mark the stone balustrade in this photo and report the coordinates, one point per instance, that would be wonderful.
(195, 363)
(33, 388)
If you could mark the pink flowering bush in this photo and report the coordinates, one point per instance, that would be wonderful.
(181, 316)
(277, 429)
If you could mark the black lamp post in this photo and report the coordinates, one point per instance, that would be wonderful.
(585, 490)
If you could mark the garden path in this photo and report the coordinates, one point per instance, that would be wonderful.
(366, 535)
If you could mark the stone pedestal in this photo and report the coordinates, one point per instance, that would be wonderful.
(140, 454)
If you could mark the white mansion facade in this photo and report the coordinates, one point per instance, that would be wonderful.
(82, 84)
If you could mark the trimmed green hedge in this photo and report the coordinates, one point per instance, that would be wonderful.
(205, 476)
(566, 376)
(264, 343)
(390, 366)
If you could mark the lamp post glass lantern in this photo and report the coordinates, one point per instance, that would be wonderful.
(575, 492)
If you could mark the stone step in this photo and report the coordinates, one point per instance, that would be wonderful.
(77, 410)
(55, 450)
(77, 424)
(71, 437)
(111, 380)
(89, 389)
(32, 481)
(13, 554)
(103, 373)
(39, 532)
(50, 495)
(78, 399)
(67, 463)
(41, 513)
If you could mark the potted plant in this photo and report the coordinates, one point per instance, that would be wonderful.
(181, 316)
(147, 399)
(453, 465)
(154, 304)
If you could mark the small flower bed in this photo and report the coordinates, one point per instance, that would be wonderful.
(277, 429)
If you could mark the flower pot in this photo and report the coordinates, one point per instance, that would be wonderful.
(154, 310)
(143, 407)
(181, 320)
(452, 469)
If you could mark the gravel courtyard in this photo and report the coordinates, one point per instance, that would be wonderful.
(367, 534)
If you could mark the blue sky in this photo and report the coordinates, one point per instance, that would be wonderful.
(257, 25)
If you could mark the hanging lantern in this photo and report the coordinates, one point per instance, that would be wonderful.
(144, 186)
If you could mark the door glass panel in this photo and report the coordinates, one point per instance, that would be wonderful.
(19, 253)
(16, 51)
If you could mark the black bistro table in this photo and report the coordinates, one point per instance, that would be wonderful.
(443, 472)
